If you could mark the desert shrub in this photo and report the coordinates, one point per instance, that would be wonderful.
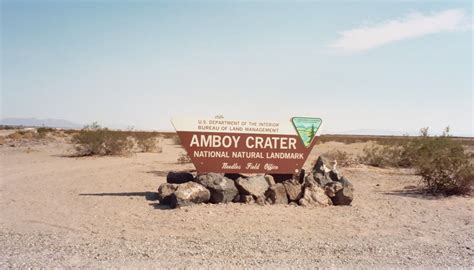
(442, 162)
(382, 156)
(43, 131)
(448, 174)
(39, 133)
(60, 134)
(184, 158)
(70, 131)
(96, 140)
(15, 136)
(176, 140)
(343, 158)
(167, 135)
(147, 142)
(349, 139)
(172, 136)
(380, 139)
(7, 127)
(22, 135)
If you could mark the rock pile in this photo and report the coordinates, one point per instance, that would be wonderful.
(322, 186)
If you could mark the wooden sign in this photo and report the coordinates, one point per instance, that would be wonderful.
(236, 146)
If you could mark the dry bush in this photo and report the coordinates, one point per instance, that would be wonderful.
(15, 136)
(70, 131)
(383, 156)
(343, 158)
(176, 140)
(7, 127)
(95, 140)
(167, 135)
(380, 139)
(31, 134)
(150, 145)
(22, 135)
(148, 142)
(349, 139)
(60, 134)
(170, 135)
(44, 131)
(442, 162)
(184, 158)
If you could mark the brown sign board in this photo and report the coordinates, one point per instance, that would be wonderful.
(237, 146)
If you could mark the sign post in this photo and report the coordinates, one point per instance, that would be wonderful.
(236, 146)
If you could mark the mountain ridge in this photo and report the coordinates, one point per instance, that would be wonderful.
(35, 122)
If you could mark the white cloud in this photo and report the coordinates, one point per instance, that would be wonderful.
(410, 26)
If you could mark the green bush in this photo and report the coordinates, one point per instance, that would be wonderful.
(96, 140)
(443, 164)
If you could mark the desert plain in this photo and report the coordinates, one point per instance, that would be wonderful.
(61, 211)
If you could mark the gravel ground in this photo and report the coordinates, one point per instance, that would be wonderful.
(58, 211)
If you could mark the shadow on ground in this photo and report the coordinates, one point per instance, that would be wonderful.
(149, 196)
(165, 173)
(70, 156)
(159, 173)
(161, 206)
(414, 192)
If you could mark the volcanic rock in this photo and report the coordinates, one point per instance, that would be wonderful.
(293, 189)
(277, 194)
(345, 195)
(332, 188)
(188, 194)
(322, 179)
(234, 176)
(260, 200)
(315, 196)
(248, 199)
(165, 191)
(280, 178)
(322, 165)
(179, 177)
(256, 185)
(223, 189)
(270, 179)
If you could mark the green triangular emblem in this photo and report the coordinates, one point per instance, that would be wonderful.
(306, 128)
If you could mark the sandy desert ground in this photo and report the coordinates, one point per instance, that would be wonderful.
(58, 211)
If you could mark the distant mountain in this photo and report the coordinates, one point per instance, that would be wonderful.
(34, 122)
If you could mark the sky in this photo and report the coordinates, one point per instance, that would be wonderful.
(393, 66)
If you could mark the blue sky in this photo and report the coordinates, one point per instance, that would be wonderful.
(395, 66)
